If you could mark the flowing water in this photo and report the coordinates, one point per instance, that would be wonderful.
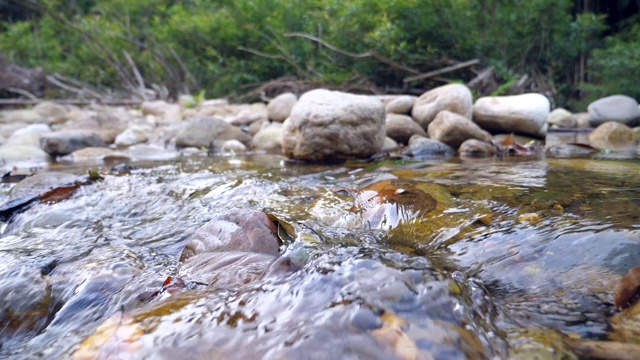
(510, 253)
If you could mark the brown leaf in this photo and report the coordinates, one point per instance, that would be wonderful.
(627, 289)
(58, 194)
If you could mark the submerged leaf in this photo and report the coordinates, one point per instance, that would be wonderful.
(627, 289)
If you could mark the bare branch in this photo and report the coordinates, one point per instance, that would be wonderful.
(22, 92)
(371, 53)
(444, 70)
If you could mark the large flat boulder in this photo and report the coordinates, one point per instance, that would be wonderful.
(209, 131)
(333, 126)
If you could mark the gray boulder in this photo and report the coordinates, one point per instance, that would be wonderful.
(28, 136)
(268, 138)
(333, 126)
(422, 147)
(402, 127)
(453, 129)
(209, 131)
(618, 108)
(22, 155)
(456, 98)
(475, 147)
(66, 142)
(521, 114)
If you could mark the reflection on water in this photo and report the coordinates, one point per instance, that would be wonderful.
(455, 281)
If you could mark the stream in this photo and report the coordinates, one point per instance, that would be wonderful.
(511, 254)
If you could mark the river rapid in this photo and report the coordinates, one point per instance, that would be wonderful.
(510, 255)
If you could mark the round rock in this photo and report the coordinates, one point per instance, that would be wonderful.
(333, 126)
(453, 129)
(456, 98)
(619, 108)
(240, 230)
(402, 127)
(522, 114)
(280, 107)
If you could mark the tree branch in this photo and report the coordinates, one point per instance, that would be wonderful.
(444, 70)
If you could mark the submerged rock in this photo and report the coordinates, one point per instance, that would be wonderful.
(250, 231)
(612, 135)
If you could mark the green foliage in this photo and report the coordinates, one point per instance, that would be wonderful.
(617, 66)
(224, 46)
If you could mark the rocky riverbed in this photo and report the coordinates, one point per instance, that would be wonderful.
(387, 227)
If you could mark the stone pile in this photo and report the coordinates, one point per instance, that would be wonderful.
(320, 126)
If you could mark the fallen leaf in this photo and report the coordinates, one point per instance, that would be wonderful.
(627, 289)
(59, 193)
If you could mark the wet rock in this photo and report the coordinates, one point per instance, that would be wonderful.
(22, 156)
(280, 107)
(333, 126)
(562, 119)
(225, 269)
(133, 135)
(233, 146)
(612, 135)
(95, 154)
(53, 112)
(26, 302)
(522, 114)
(422, 147)
(571, 150)
(28, 136)
(477, 147)
(618, 108)
(91, 302)
(539, 343)
(63, 143)
(163, 111)
(250, 231)
(28, 116)
(41, 182)
(456, 98)
(400, 105)
(401, 128)
(453, 129)
(269, 138)
(209, 131)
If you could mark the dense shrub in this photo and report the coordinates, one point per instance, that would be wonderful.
(223, 46)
